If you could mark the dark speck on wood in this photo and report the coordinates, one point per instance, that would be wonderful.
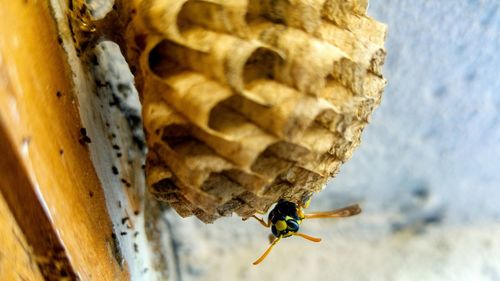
(125, 219)
(124, 181)
(84, 139)
(93, 60)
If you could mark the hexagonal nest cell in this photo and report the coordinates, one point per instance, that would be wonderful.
(247, 102)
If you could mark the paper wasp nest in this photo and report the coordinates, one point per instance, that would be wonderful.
(246, 102)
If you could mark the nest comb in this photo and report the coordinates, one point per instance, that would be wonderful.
(247, 102)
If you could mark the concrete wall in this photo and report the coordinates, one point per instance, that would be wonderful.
(427, 173)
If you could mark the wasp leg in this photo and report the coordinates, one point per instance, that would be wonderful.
(310, 238)
(339, 213)
(264, 255)
(271, 238)
(265, 224)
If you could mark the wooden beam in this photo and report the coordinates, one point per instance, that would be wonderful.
(22, 203)
(17, 261)
(46, 174)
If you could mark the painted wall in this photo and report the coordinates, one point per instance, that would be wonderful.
(427, 172)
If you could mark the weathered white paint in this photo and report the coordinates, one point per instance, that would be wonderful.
(107, 101)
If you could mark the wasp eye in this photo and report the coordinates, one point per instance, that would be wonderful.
(292, 225)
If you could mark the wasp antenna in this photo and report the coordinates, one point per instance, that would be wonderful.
(339, 213)
(264, 255)
(310, 238)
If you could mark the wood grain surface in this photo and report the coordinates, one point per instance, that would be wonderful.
(17, 261)
(46, 175)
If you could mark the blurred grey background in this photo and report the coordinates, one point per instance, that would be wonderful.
(427, 172)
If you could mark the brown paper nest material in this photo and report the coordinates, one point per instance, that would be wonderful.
(247, 102)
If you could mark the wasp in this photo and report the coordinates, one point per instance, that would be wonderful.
(286, 217)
